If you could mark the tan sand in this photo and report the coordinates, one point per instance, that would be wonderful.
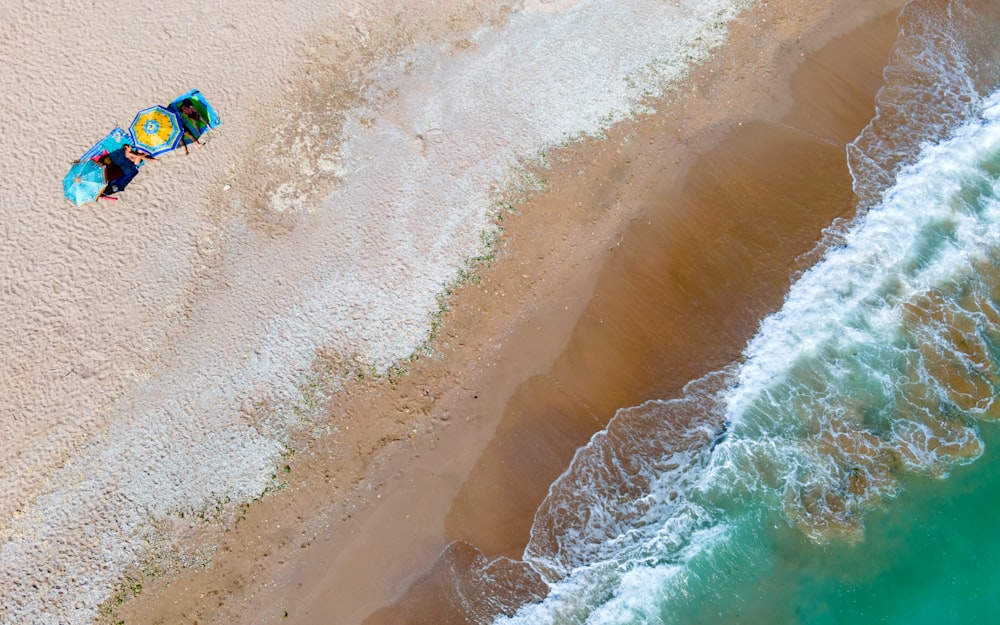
(573, 321)
(132, 322)
(159, 351)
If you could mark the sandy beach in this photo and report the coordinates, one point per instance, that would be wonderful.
(246, 355)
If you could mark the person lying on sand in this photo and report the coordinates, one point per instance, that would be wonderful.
(197, 123)
(121, 166)
(137, 157)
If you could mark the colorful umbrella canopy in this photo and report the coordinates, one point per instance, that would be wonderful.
(84, 182)
(156, 130)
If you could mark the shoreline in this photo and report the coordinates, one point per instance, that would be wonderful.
(756, 168)
(334, 532)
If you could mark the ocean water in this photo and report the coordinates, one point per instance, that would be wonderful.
(844, 470)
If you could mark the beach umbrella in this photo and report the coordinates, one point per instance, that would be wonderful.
(84, 182)
(156, 130)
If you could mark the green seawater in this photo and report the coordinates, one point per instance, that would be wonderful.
(929, 556)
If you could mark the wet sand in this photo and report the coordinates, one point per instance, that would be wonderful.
(684, 291)
(648, 262)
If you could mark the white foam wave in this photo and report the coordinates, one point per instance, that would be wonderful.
(887, 259)
(943, 64)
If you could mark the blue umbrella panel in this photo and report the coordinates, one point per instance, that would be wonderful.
(84, 182)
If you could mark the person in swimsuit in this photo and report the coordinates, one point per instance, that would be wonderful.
(195, 124)
(121, 166)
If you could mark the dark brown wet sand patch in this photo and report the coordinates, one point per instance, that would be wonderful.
(681, 299)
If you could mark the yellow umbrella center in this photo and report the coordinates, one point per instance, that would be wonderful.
(156, 127)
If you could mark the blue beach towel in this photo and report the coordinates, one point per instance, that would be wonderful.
(115, 140)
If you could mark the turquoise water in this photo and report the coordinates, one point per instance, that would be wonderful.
(843, 471)
(929, 557)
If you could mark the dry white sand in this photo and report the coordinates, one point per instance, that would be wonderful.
(158, 350)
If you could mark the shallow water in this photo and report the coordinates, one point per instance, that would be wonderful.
(928, 557)
(842, 471)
